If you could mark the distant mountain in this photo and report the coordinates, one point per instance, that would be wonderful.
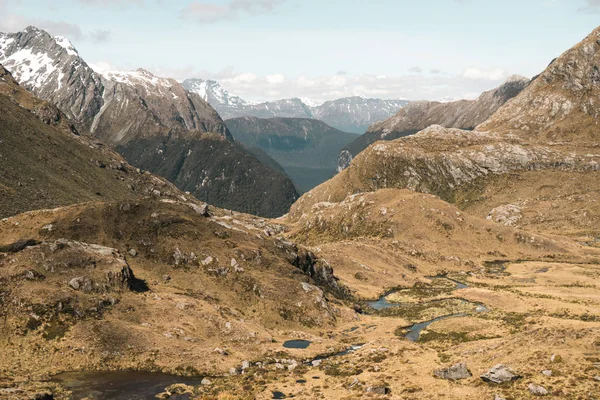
(418, 115)
(306, 148)
(356, 114)
(351, 114)
(149, 120)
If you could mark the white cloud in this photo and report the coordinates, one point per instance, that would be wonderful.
(254, 87)
(493, 74)
(591, 6)
(275, 79)
(112, 2)
(204, 12)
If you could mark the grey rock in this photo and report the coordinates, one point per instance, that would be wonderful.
(132, 252)
(500, 374)
(206, 382)
(453, 373)
(82, 283)
(547, 372)
(537, 390)
(166, 278)
(378, 389)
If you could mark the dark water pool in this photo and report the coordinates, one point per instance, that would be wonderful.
(120, 385)
(296, 344)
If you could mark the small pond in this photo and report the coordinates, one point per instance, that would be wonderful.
(296, 344)
(120, 385)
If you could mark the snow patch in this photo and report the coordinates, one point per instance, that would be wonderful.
(29, 68)
(66, 44)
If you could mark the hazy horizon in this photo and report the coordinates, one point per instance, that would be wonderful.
(264, 50)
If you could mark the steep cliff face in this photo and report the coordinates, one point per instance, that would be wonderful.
(419, 115)
(545, 134)
(306, 148)
(138, 105)
(562, 104)
(142, 115)
(215, 170)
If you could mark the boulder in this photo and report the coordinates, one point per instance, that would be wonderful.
(378, 389)
(499, 374)
(454, 373)
(82, 283)
(537, 390)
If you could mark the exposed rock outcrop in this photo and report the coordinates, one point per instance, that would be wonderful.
(418, 115)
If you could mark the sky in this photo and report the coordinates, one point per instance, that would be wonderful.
(319, 49)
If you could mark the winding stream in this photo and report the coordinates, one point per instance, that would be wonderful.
(414, 331)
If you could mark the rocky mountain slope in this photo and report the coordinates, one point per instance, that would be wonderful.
(306, 148)
(48, 164)
(548, 131)
(350, 114)
(143, 115)
(418, 115)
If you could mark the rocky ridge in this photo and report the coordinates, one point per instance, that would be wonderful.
(418, 115)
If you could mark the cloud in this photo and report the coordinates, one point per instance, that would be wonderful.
(493, 74)
(112, 2)
(591, 6)
(210, 12)
(275, 79)
(415, 70)
(100, 36)
(15, 23)
(255, 87)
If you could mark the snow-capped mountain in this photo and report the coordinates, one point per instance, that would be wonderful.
(356, 114)
(351, 114)
(114, 106)
(153, 122)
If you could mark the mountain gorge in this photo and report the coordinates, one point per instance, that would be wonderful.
(306, 148)
(350, 114)
(142, 115)
(418, 115)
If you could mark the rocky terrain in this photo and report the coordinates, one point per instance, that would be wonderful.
(450, 264)
(349, 114)
(418, 115)
(142, 116)
(306, 148)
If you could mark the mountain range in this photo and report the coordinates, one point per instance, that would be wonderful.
(305, 148)
(153, 122)
(418, 115)
(350, 114)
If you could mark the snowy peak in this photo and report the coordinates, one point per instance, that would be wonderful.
(36, 59)
(351, 114)
(212, 92)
